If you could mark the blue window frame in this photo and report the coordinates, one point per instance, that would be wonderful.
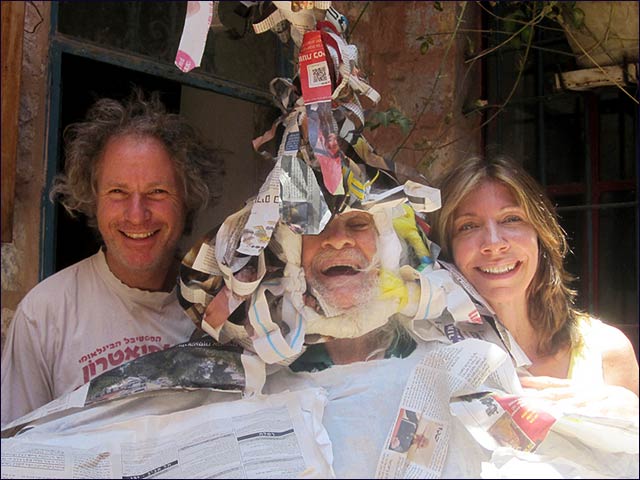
(119, 43)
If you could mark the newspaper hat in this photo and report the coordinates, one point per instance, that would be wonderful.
(272, 287)
(324, 167)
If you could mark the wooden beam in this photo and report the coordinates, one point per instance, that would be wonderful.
(589, 78)
(12, 28)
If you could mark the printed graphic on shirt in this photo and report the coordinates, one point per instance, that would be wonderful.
(203, 363)
(113, 354)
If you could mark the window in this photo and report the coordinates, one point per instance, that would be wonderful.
(102, 49)
(582, 146)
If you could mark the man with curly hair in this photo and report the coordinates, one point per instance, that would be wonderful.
(139, 175)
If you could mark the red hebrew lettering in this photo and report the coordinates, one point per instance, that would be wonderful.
(131, 353)
(116, 358)
(88, 371)
(103, 362)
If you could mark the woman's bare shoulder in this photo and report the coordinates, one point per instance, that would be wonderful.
(619, 360)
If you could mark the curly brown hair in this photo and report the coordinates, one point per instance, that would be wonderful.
(199, 166)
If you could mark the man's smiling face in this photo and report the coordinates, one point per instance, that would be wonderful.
(140, 209)
(337, 261)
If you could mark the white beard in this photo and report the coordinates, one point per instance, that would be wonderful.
(367, 313)
(367, 291)
(351, 323)
(360, 299)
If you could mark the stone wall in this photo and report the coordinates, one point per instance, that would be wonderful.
(21, 257)
(431, 88)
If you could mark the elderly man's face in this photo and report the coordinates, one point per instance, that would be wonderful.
(338, 262)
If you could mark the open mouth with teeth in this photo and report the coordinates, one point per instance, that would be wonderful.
(339, 270)
(499, 269)
(138, 236)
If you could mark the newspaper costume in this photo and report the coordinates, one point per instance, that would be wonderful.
(452, 407)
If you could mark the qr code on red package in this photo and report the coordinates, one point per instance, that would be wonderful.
(318, 74)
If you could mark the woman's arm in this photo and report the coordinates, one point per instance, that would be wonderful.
(618, 397)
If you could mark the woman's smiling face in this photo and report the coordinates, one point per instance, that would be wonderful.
(494, 245)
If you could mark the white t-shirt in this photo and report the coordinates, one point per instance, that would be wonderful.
(77, 324)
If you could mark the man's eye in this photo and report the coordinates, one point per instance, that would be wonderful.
(116, 191)
(360, 225)
(157, 192)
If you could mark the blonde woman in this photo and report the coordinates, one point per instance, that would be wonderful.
(500, 230)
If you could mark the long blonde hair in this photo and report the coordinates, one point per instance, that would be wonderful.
(550, 299)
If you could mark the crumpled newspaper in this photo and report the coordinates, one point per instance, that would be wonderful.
(324, 166)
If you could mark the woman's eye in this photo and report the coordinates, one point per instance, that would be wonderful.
(466, 226)
(512, 219)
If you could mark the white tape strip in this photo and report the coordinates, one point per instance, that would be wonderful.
(268, 342)
(194, 35)
(214, 332)
(268, 23)
(421, 197)
(194, 294)
(239, 287)
(206, 260)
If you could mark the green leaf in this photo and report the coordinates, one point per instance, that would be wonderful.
(510, 25)
(424, 46)
(389, 117)
(438, 6)
(577, 19)
(551, 10)
(525, 35)
(448, 117)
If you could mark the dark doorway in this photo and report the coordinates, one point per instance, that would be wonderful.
(83, 82)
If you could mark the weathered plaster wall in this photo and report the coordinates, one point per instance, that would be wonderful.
(20, 258)
(429, 88)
